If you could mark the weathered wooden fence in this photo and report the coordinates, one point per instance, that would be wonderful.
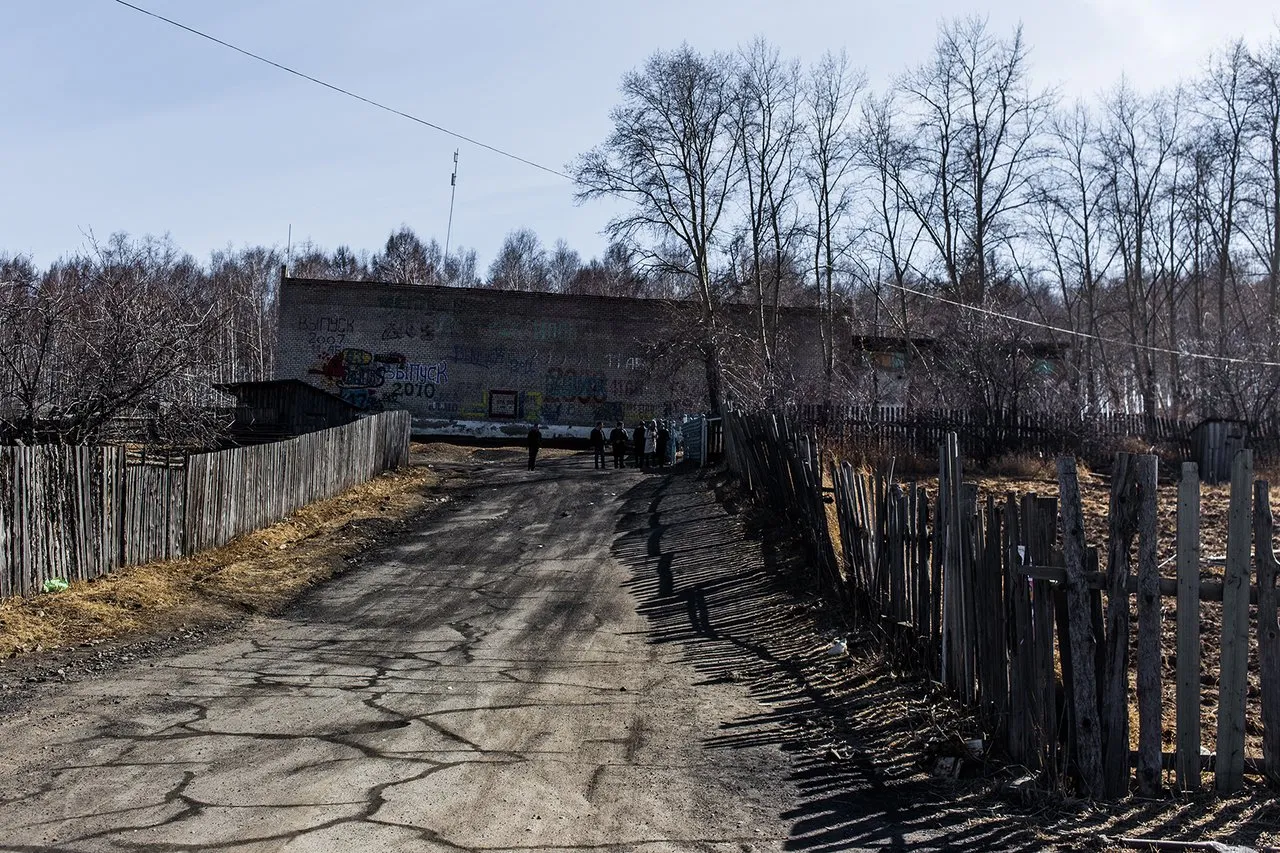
(1005, 602)
(79, 512)
(886, 431)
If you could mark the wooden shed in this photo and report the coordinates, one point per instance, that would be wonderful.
(283, 408)
(1214, 444)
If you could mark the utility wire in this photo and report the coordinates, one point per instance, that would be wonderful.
(343, 91)
(976, 308)
(1075, 333)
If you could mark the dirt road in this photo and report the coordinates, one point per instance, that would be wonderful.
(489, 682)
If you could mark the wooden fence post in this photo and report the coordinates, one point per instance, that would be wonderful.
(1268, 631)
(1087, 735)
(1188, 760)
(1148, 631)
(1115, 698)
(1018, 619)
(1233, 669)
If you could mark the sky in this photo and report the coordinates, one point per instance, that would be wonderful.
(113, 121)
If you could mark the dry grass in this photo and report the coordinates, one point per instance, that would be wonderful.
(257, 573)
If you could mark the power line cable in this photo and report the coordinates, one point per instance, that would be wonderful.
(965, 306)
(1086, 335)
(343, 91)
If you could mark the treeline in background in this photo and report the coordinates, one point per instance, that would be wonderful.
(966, 229)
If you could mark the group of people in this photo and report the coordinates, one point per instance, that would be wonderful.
(650, 445)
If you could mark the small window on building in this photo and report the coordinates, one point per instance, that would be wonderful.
(502, 404)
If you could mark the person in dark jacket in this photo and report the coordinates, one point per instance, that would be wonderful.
(597, 444)
(618, 438)
(637, 446)
(535, 441)
(664, 438)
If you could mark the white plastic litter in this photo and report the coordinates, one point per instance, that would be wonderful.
(838, 647)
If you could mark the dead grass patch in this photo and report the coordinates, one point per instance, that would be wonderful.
(258, 573)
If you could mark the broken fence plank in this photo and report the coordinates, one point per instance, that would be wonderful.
(1087, 734)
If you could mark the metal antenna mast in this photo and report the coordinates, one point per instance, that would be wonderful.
(453, 184)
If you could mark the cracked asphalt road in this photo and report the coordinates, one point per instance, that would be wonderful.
(487, 682)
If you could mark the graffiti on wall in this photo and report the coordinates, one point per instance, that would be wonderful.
(326, 335)
(395, 331)
(570, 386)
(616, 361)
(374, 380)
(444, 354)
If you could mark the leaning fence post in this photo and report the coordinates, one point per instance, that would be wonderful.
(1233, 669)
(1087, 735)
(1188, 757)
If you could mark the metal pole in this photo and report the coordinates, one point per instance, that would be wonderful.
(453, 184)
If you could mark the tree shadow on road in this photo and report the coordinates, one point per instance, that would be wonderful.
(722, 591)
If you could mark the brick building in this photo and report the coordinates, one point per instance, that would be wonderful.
(461, 357)
(455, 357)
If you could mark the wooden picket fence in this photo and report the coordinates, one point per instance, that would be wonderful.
(1005, 603)
(79, 512)
(879, 432)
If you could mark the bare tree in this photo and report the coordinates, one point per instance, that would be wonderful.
(405, 259)
(615, 273)
(563, 267)
(521, 263)
(1264, 197)
(1224, 105)
(32, 313)
(1066, 220)
(892, 231)
(671, 155)
(1138, 138)
(767, 130)
(243, 287)
(831, 90)
(460, 269)
(974, 145)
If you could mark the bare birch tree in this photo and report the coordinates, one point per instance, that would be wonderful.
(767, 130)
(830, 95)
(671, 154)
(975, 141)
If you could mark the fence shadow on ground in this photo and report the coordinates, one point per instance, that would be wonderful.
(716, 580)
(706, 586)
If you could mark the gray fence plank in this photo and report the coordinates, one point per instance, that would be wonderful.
(1229, 767)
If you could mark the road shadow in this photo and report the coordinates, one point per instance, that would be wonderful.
(720, 588)
(726, 584)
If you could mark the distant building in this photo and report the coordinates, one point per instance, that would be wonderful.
(454, 356)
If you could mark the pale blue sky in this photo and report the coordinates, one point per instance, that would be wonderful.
(112, 121)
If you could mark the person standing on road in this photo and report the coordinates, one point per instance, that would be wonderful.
(618, 438)
(597, 444)
(535, 441)
(651, 444)
(664, 439)
(637, 444)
